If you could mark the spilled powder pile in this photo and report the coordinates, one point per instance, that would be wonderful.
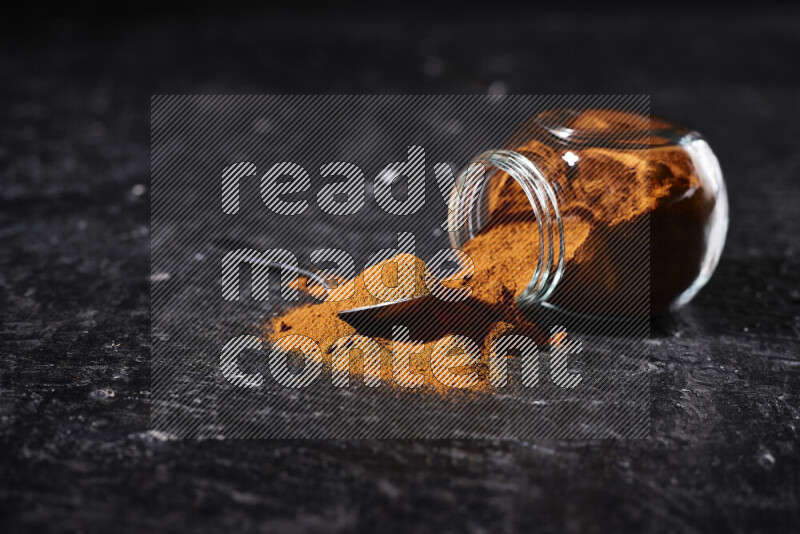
(502, 255)
(483, 318)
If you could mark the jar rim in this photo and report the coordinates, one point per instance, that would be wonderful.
(469, 214)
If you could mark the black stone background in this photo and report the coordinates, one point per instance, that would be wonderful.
(75, 451)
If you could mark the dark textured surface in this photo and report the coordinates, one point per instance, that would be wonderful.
(74, 264)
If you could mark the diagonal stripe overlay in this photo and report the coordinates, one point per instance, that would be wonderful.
(242, 185)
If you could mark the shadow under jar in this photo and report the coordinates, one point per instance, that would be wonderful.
(606, 213)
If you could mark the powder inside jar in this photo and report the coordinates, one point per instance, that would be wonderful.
(635, 223)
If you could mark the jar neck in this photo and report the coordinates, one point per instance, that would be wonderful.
(469, 213)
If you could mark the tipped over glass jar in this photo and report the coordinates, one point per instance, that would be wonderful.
(599, 212)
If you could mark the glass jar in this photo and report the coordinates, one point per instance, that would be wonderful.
(625, 214)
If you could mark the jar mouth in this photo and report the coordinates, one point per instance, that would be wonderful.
(469, 213)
